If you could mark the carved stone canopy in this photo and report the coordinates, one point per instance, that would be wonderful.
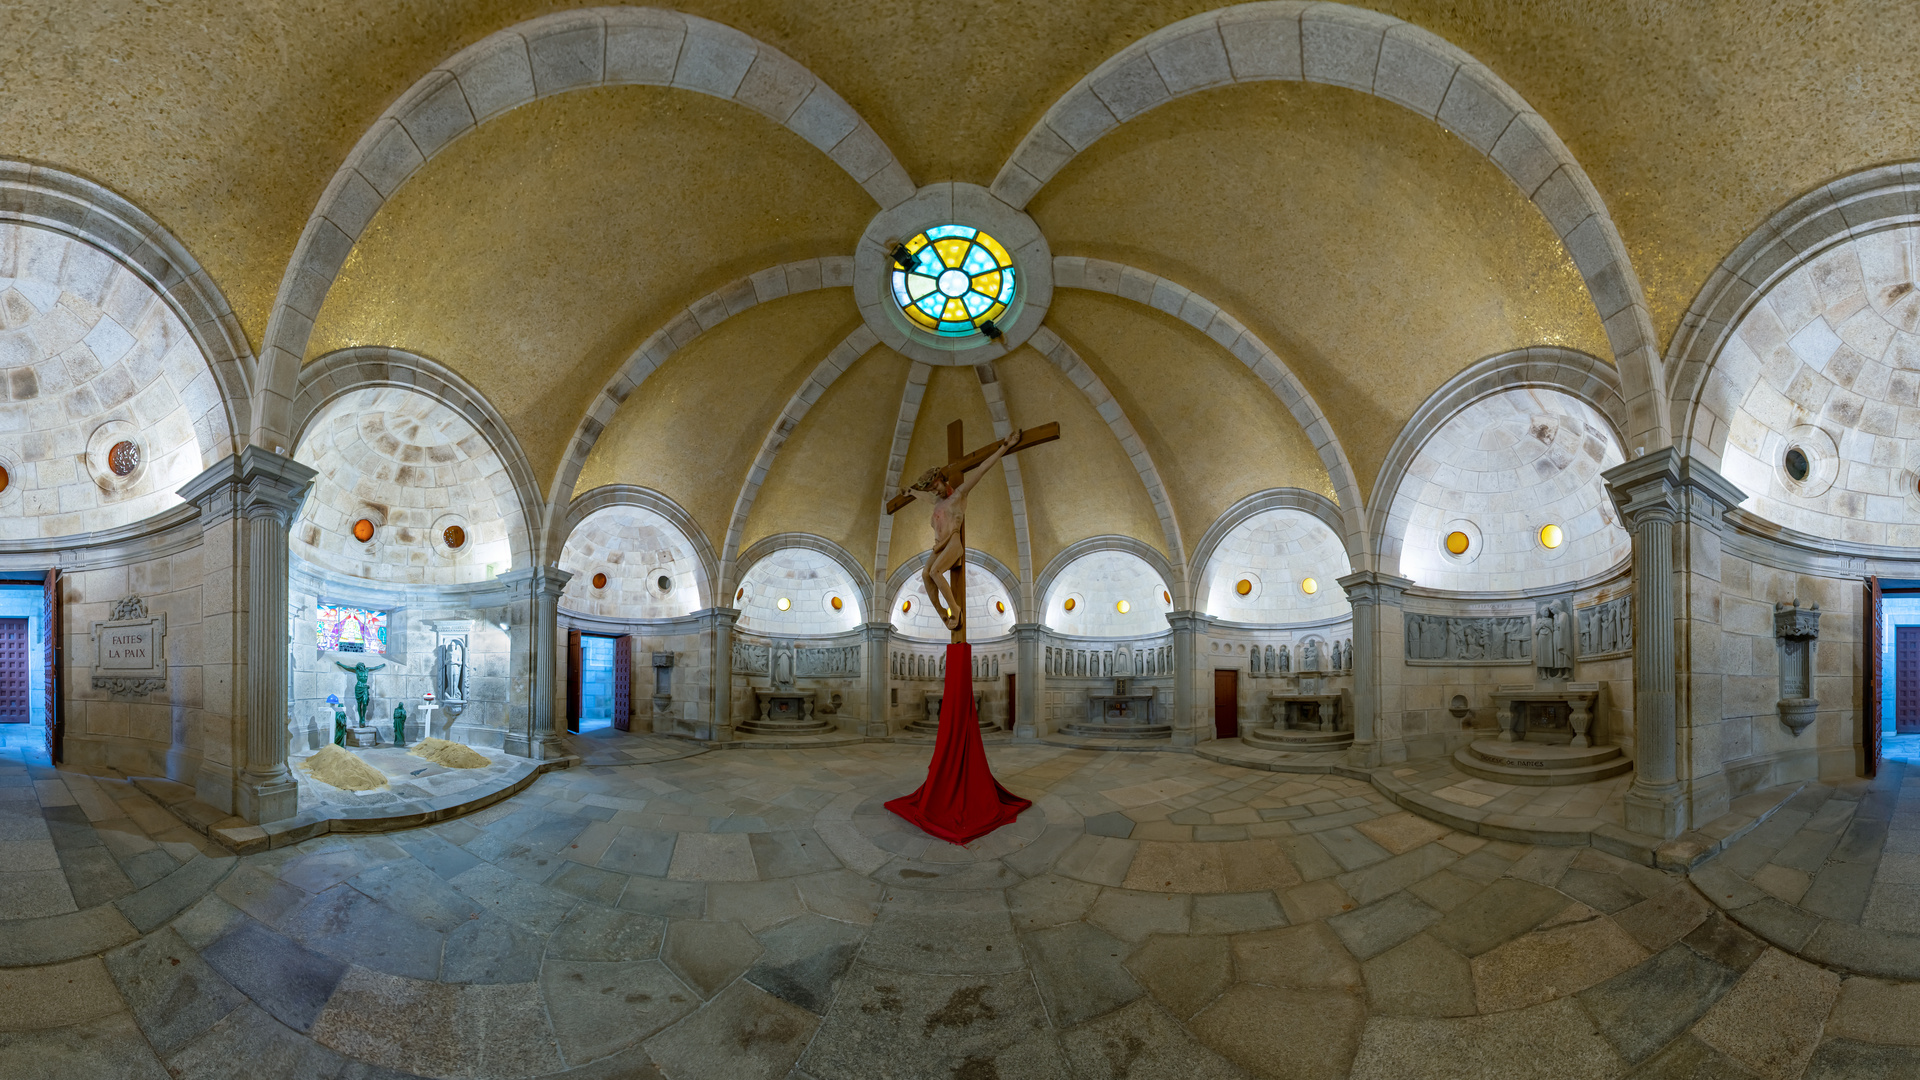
(1795, 622)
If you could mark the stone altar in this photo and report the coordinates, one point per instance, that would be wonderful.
(1120, 715)
(784, 711)
(1521, 720)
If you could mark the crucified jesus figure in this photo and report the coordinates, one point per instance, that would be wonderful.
(949, 518)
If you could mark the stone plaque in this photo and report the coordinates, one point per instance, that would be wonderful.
(130, 650)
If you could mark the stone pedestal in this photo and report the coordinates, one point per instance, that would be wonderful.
(1580, 699)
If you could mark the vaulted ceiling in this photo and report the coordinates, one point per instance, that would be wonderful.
(1372, 250)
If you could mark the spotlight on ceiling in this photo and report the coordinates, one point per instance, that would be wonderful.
(902, 257)
(993, 332)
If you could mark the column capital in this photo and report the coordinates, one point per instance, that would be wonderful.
(546, 582)
(254, 482)
(1028, 631)
(1374, 587)
(723, 615)
(876, 631)
(1191, 621)
(1662, 483)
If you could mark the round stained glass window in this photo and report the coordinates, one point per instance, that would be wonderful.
(363, 530)
(1244, 587)
(599, 581)
(1070, 605)
(455, 537)
(906, 605)
(1000, 606)
(953, 278)
(783, 603)
(1798, 466)
(1457, 542)
(1552, 536)
(1309, 586)
(5, 479)
(1123, 607)
(124, 457)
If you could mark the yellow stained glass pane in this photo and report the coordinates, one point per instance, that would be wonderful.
(988, 283)
(919, 241)
(953, 250)
(999, 253)
(956, 312)
(1457, 543)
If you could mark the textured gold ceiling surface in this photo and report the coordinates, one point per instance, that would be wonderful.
(831, 472)
(691, 432)
(536, 254)
(1377, 254)
(1216, 432)
(953, 393)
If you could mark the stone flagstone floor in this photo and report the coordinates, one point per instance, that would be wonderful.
(743, 915)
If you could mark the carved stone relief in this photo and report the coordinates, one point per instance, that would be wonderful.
(1466, 639)
(1606, 629)
(830, 662)
(130, 650)
(752, 659)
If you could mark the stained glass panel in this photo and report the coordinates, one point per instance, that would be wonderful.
(955, 278)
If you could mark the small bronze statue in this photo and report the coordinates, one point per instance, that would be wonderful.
(400, 724)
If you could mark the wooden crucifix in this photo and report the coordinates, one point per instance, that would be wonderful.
(946, 487)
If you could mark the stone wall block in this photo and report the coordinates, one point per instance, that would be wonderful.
(495, 78)
(643, 46)
(1411, 73)
(1474, 108)
(891, 186)
(434, 115)
(1528, 152)
(566, 52)
(1129, 85)
(351, 203)
(1262, 40)
(861, 153)
(1080, 118)
(775, 85)
(1193, 61)
(1340, 46)
(714, 59)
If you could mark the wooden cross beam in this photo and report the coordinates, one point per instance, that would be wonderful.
(958, 463)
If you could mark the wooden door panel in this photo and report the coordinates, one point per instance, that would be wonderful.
(1870, 718)
(56, 707)
(1226, 704)
(1906, 680)
(623, 682)
(16, 653)
(573, 680)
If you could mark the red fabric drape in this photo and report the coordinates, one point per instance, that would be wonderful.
(961, 801)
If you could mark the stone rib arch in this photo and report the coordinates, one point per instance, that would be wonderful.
(825, 373)
(1307, 502)
(612, 495)
(338, 374)
(1117, 279)
(1384, 56)
(840, 556)
(996, 399)
(607, 46)
(1702, 393)
(80, 209)
(911, 395)
(1062, 356)
(1567, 371)
(786, 279)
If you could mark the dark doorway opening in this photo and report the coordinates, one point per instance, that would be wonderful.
(1226, 704)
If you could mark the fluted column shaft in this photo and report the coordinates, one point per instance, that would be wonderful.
(878, 636)
(1376, 599)
(1031, 682)
(1191, 700)
(1649, 493)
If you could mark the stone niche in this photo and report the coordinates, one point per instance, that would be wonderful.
(1796, 634)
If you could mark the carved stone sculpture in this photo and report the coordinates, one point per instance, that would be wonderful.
(1338, 659)
(1286, 659)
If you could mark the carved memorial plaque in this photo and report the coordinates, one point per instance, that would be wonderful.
(130, 650)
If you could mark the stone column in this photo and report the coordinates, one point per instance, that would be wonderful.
(540, 589)
(260, 492)
(1192, 702)
(1647, 493)
(1030, 685)
(718, 725)
(878, 637)
(1379, 635)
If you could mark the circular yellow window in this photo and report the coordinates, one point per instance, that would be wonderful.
(739, 594)
(1166, 597)
(1309, 586)
(836, 603)
(1457, 543)
(1122, 607)
(1000, 606)
(1244, 587)
(783, 603)
(1070, 603)
(949, 280)
(1551, 536)
(906, 605)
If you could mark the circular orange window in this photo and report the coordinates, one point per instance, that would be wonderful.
(1166, 597)
(455, 537)
(1457, 543)
(906, 605)
(599, 581)
(363, 530)
(1071, 604)
(124, 457)
(836, 603)
(738, 595)
(1244, 587)
(5, 479)
(1000, 606)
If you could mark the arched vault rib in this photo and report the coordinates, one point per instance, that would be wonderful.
(910, 397)
(1380, 55)
(1062, 356)
(786, 279)
(1115, 279)
(838, 360)
(572, 50)
(1016, 489)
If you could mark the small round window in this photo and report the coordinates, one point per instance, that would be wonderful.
(124, 457)
(783, 603)
(1458, 542)
(6, 478)
(455, 537)
(1552, 536)
(1797, 465)
(837, 603)
(1309, 586)
(1070, 604)
(1123, 607)
(663, 583)
(949, 280)
(906, 606)
(599, 581)
(363, 530)
(1244, 587)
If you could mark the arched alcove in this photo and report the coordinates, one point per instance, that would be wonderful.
(1262, 569)
(792, 592)
(630, 562)
(990, 610)
(1098, 583)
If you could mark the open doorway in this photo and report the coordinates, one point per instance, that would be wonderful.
(1898, 709)
(599, 674)
(596, 682)
(23, 670)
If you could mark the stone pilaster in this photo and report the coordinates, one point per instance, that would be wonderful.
(539, 588)
(717, 725)
(1192, 689)
(248, 503)
(1378, 652)
(878, 636)
(1030, 686)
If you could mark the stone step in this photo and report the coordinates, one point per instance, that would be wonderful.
(1539, 765)
(1295, 740)
(932, 727)
(1116, 731)
(788, 728)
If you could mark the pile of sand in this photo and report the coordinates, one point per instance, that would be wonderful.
(453, 755)
(334, 766)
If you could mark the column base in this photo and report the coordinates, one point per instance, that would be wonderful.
(1654, 810)
(213, 785)
(516, 744)
(272, 800)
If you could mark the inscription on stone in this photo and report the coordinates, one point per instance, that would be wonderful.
(129, 650)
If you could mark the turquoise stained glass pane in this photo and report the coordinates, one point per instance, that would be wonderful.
(979, 261)
(977, 305)
(944, 231)
(1006, 287)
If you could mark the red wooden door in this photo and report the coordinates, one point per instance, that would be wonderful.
(16, 652)
(56, 706)
(1226, 704)
(1906, 680)
(1870, 717)
(623, 682)
(573, 680)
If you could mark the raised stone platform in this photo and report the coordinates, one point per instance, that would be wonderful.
(1533, 764)
(1296, 740)
(1129, 732)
